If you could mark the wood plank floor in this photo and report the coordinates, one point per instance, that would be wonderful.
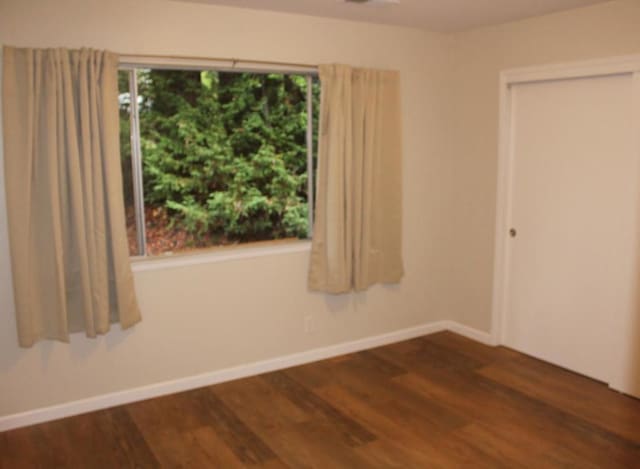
(437, 401)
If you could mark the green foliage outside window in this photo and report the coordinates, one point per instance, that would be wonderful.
(224, 154)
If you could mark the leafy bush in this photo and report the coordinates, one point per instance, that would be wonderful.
(224, 154)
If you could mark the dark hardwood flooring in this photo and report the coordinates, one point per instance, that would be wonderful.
(437, 401)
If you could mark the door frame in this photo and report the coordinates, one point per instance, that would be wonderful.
(622, 65)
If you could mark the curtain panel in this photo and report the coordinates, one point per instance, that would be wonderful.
(357, 235)
(63, 180)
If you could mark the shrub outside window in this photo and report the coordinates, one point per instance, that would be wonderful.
(215, 158)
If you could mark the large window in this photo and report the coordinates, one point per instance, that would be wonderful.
(212, 158)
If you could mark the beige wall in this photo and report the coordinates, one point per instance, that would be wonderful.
(603, 30)
(207, 317)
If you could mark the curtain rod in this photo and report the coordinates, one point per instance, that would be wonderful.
(140, 58)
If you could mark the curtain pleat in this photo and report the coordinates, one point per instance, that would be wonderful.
(67, 232)
(357, 237)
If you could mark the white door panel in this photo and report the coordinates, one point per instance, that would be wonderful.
(573, 272)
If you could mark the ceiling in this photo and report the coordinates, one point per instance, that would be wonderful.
(433, 15)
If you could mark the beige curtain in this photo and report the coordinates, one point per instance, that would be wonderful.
(63, 180)
(358, 225)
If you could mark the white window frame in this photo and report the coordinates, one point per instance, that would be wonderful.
(144, 262)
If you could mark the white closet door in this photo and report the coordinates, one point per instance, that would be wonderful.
(573, 284)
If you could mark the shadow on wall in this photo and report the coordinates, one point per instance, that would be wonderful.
(632, 371)
(352, 301)
(79, 349)
(626, 373)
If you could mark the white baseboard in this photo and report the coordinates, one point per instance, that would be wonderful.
(104, 401)
(469, 332)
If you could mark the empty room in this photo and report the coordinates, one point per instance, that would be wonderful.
(319, 233)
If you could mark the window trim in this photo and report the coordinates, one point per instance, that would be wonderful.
(136, 164)
(310, 182)
(217, 254)
(144, 262)
(128, 62)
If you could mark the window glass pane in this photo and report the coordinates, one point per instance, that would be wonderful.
(224, 157)
(125, 159)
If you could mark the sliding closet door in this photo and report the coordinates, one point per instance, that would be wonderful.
(574, 249)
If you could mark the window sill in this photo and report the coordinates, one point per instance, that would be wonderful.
(219, 254)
